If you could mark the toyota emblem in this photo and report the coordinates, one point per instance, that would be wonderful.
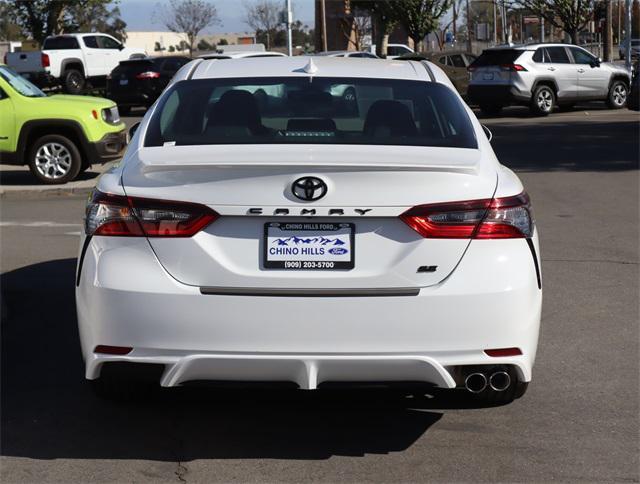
(309, 188)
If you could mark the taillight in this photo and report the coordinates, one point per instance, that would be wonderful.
(513, 67)
(44, 60)
(148, 75)
(116, 215)
(498, 218)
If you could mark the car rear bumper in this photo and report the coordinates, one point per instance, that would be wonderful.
(501, 95)
(125, 298)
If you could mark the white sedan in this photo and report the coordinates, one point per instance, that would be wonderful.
(260, 228)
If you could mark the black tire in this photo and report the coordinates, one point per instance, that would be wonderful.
(124, 110)
(73, 81)
(543, 101)
(54, 159)
(618, 93)
(490, 109)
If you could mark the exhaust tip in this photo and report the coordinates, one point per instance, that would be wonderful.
(500, 381)
(475, 382)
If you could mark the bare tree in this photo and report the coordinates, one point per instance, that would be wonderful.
(384, 15)
(569, 15)
(189, 17)
(262, 16)
(356, 27)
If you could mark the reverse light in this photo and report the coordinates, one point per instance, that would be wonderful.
(498, 218)
(44, 60)
(120, 216)
(148, 75)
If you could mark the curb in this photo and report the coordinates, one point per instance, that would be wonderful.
(31, 194)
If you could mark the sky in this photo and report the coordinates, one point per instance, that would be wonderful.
(140, 14)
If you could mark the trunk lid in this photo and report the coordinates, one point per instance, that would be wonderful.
(250, 186)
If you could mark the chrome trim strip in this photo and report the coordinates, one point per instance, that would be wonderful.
(311, 292)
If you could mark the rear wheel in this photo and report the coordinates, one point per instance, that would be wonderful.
(617, 97)
(543, 101)
(73, 81)
(54, 159)
(490, 109)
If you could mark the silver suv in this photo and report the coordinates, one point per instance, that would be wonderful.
(542, 76)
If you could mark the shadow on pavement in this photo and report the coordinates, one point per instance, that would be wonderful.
(49, 412)
(567, 146)
(24, 177)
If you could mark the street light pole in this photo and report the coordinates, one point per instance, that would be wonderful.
(323, 10)
(627, 32)
(289, 33)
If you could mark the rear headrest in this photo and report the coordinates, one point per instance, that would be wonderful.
(236, 108)
(391, 118)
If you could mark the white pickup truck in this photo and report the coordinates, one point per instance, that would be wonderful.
(72, 60)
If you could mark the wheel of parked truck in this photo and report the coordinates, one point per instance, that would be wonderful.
(543, 101)
(54, 159)
(617, 97)
(73, 81)
(124, 110)
(490, 109)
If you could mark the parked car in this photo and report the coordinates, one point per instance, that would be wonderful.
(454, 63)
(139, 82)
(72, 60)
(395, 50)
(243, 54)
(543, 76)
(347, 53)
(635, 49)
(308, 244)
(56, 136)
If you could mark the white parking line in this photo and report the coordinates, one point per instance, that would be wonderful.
(36, 224)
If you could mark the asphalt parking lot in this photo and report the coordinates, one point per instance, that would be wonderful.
(578, 421)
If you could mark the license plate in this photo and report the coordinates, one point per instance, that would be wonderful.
(488, 77)
(309, 246)
(124, 82)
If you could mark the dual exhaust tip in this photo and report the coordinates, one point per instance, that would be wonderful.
(498, 381)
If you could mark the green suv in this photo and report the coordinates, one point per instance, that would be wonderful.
(56, 136)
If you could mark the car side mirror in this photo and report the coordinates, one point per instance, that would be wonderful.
(132, 131)
(120, 47)
(596, 62)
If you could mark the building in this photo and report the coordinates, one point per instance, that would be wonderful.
(164, 42)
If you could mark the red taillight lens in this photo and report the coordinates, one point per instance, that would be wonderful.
(44, 60)
(496, 353)
(113, 350)
(148, 75)
(116, 215)
(500, 218)
(513, 67)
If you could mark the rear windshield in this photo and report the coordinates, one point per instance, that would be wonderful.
(60, 43)
(312, 110)
(497, 57)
